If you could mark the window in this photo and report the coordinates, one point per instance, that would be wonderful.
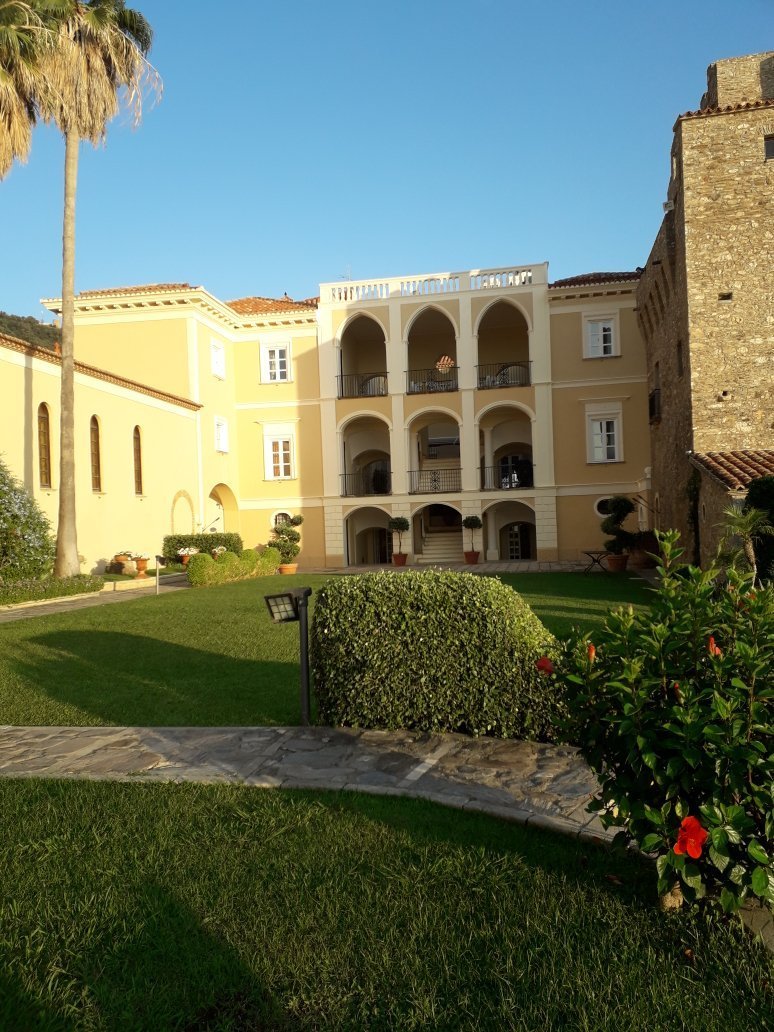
(768, 148)
(275, 363)
(601, 337)
(96, 469)
(602, 507)
(137, 445)
(281, 518)
(221, 434)
(218, 359)
(44, 446)
(604, 440)
(281, 453)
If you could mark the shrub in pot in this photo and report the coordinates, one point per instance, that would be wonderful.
(472, 523)
(398, 525)
(287, 542)
(620, 541)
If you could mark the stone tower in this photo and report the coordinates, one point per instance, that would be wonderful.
(706, 301)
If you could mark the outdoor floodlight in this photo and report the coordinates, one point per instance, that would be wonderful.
(290, 607)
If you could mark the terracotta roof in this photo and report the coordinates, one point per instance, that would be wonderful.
(735, 469)
(592, 278)
(750, 105)
(55, 358)
(149, 288)
(266, 305)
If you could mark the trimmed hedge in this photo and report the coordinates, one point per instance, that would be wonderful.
(203, 570)
(204, 542)
(433, 651)
(51, 587)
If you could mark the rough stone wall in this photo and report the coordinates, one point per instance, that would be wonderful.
(740, 80)
(662, 314)
(728, 192)
(713, 499)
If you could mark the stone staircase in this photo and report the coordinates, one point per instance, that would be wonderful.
(442, 547)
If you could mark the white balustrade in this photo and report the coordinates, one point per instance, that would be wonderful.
(432, 284)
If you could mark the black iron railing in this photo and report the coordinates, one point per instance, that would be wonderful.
(504, 374)
(431, 381)
(371, 482)
(431, 481)
(362, 385)
(507, 478)
(654, 406)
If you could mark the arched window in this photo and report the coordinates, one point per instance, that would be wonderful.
(44, 446)
(137, 441)
(96, 469)
(280, 518)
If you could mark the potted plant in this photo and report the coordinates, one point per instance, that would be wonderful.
(619, 507)
(185, 554)
(644, 550)
(472, 523)
(398, 525)
(141, 561)
(286, 541)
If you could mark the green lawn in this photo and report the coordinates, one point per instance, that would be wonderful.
(190, 907)
(207, 657)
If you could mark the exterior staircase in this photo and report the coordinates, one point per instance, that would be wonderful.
(442, 547)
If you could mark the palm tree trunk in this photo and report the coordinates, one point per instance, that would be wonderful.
(66, 563)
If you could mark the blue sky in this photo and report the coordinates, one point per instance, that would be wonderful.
(303, 142)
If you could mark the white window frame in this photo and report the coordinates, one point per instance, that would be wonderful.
(597, 414)
(267, 347)
(221, 435)
(594, 328)
(218, 359)
(278, 435)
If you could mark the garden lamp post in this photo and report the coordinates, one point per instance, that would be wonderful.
(292, 607)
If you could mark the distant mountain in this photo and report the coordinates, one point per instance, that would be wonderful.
(26, 328)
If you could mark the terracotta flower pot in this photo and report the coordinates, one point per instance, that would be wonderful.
(399, 558)
(184, 559)
(142, 566)
(471, 558)
(617, 563)
(287, 568)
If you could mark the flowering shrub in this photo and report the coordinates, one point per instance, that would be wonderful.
(189, 550)
(672, 708)
(26, 547)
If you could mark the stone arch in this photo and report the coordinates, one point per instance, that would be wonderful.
(227, 519)
(181, 514)
(502, 301)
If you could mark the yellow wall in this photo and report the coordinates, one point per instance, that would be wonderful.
(145, 349)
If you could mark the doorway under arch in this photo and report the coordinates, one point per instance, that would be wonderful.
(226, 517)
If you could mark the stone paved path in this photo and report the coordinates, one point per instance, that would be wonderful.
(100, 598)
(528, 782)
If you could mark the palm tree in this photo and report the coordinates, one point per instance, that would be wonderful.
(746, 526)
(22, 39)
(99, 60)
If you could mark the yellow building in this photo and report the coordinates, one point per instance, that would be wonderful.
(487, 392)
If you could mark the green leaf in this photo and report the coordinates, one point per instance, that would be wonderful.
(760, 882)
(651, 842)
(737, 874)
(681, 808)
(718, 859)
(756, 852)
(719, 839)
(728, 901)
(691, 875)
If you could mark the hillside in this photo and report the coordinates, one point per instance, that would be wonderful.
(26, 328)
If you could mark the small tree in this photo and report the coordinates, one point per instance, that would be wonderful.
(760, 495)
(26, 548)
(398, 525)
(287, 538)
(472, 523)
(748, 526)
(620, 540)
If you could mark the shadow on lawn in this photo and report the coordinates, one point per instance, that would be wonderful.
(135, 680)
(164, 971)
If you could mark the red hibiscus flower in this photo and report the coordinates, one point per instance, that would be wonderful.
(712, 648)
(690, 838)
(544, 665)
(592, 651)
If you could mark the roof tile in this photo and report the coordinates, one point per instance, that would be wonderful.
(149, 288)
(593, 278)
(736, 469)
(266, 305)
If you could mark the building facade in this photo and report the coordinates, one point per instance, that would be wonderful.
(706, 305)
(487, 392)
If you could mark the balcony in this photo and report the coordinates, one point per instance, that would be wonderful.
(366, 483)
(514, 477)
(434, 481)
(654, 406)
(432, 284)
(432, 381)
(362, 385)
(499, 374)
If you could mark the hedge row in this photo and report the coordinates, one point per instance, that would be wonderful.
(434, 651)
(51, 587)
(203, 570)
(204, 542)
